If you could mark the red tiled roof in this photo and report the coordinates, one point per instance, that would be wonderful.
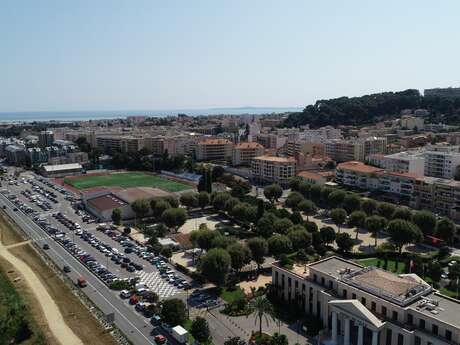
(106, 202)
(359, 167)
(249, 145)
(214, 142)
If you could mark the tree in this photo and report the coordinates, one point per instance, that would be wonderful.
(203, 238)
(279, 244)
(325, 191)
(221, 241)
(200, 330)
(174, 217)
(315, 193)
(344, 242)
(239, 255)
(203, 199)
(426, 221)
(116, 216)
(174, 312)
(402, 213)
(294, 183)
(300, 238)
(126, 230)
(259, 248)
(219, 199)
(265, 225)
(386, 210)
(215, 266)
(158, 207)
(273, 192)
(263, 309)
(369, 206)
(141, 208)
(260, 208)
(235, 341)
(278, 339)
(434, 271)
(446, 230)
(293, 200)
(403, 232)
(241, 212)
(374, 224)
(357, 219)
(327, 234)
(173, 201)
(304, 189)
(230, 203)
(189, 199)
(307, 207)
(282, 225)
(217, 172)
(336, 198)
(351, 203)
(166, 252)
(338, 216)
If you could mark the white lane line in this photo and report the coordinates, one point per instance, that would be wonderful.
(89, 284)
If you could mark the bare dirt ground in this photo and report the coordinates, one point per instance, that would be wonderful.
(261, 281)
(61, 315)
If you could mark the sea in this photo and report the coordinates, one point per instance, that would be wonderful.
(70, 116)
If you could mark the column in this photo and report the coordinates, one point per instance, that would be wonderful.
(375, 337)
(334, 327)
(361, 334)
(346, 337)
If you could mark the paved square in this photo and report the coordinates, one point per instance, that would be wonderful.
(157, 284)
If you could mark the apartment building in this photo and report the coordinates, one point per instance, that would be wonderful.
(45, 138)
(272, 169)
(441, 164)
(412, 122)
(441, 196)
(214, 149)
(356, 149)
(270, 141)
(15, 154)
(128, 144)
(368, 305)
(243, 153)
(401, 162)
(313, 148)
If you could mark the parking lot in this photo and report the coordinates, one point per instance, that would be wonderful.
(109, 254)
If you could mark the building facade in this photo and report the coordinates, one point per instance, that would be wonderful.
(214, 149)
(243, 153)
(272, 169)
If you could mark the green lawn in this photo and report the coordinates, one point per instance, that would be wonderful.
(230, 296)
(127, 180)
(391, 264)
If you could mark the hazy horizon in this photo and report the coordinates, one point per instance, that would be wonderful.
(113, 54)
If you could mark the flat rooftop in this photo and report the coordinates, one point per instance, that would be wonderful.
(438, 306)
(333, 266)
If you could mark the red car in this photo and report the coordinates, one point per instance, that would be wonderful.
(160, 339)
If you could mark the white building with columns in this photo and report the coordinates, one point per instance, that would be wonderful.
(368, 305)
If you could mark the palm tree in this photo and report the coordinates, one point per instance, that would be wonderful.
(262, 309)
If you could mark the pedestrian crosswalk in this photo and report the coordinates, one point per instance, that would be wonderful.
(157, 284)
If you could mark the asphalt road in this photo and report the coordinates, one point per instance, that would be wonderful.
(133, 325)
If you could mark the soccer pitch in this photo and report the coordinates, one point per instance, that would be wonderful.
(126, 180)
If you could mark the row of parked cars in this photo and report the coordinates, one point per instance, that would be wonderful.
(37, 199)
(142, 252)
(23, 207)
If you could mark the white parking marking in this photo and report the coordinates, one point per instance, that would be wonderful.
(157, 284)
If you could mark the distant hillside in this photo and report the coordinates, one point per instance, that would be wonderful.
(373, 108)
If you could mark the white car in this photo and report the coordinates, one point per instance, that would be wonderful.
(453, 262)
(125, 294)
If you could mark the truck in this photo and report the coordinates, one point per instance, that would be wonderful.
(81, 282)
(180, 334)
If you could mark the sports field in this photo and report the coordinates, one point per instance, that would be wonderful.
(126, 180)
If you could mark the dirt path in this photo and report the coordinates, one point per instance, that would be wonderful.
(53, 316)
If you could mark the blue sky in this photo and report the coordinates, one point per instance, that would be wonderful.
(113, 55)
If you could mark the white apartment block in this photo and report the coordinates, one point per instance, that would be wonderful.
(441, 164)
(271, 169)
(367, 305)
(214, 149)
(412, 122)
(356, 149)
(270, 141)
(401, 162)
(243, 153)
